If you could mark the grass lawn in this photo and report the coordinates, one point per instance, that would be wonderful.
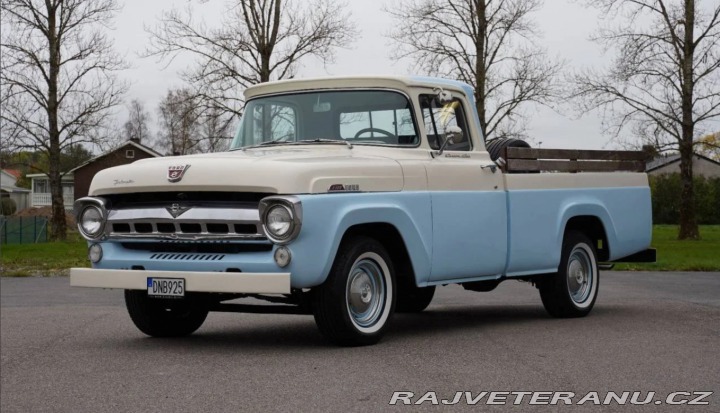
(674, 255)
(47, 259)
(54, 258)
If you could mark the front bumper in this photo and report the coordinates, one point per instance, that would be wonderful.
(209, 282)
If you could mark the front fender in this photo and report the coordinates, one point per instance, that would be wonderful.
(327, 217)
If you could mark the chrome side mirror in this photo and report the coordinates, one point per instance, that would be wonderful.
(443, 97)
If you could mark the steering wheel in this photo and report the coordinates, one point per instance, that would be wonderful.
(381, 131)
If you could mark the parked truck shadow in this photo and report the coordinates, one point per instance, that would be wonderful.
(299, 332)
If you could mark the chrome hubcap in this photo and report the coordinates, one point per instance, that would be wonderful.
(580, 273)
(365, 292)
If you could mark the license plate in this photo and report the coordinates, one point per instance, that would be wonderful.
(166, 287)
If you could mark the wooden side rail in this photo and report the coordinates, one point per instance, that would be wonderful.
(572, 160)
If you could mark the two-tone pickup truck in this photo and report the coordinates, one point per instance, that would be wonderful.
(353, 198)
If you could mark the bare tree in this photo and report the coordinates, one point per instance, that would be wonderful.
(178, 118)
(257, 41)
(136, 127)
(57, 79)
(214, 125)
(487, 44)
(664, 84)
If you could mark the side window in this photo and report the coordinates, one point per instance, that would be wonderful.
(272, 122)
(437, 118)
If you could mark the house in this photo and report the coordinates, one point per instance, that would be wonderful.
(76, 182)
(9, 188)
(702, 166)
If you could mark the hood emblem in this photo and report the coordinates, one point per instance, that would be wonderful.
(176, 173)
(176, 210)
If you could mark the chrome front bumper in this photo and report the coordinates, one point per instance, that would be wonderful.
(209, 282)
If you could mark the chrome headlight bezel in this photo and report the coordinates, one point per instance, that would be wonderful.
(293, 206)
(81, 206)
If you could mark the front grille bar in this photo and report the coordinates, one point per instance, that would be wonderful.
(185, 223)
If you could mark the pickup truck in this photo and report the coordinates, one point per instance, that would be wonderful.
(354, 198)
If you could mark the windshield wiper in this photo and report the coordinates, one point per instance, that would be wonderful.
(268, 143)
(319, 140)
(300, 142)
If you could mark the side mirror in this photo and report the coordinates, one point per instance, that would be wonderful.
(443, 97)
(452, 134)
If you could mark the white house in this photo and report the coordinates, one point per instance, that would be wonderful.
(41, 190)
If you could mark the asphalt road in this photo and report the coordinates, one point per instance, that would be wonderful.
(72, 350)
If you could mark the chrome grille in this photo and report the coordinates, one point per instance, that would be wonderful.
(185, 222)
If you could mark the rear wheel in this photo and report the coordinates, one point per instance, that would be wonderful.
(158, 317)
(354, 305)
(572, 291)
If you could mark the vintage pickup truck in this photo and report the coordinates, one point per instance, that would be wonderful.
(352, 198)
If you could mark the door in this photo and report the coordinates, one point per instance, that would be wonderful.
(469, 211)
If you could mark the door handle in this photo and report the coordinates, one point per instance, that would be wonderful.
(493, 168)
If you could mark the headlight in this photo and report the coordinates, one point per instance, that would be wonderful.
(279, 221)
(91, 221)
(281, 218)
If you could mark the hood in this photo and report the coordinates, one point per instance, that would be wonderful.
(284, 170)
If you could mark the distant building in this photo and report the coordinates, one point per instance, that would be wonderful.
(702, 166)
(76, 183)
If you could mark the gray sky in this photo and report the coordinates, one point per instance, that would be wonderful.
(565, 25)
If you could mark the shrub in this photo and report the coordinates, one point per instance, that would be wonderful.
(7, 206)
(666, 192)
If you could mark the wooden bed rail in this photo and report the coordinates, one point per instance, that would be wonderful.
(572, 160)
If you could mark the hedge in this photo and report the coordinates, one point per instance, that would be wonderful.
(7, 206)
(666, 191)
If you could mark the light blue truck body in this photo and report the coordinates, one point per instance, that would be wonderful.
(515, 233)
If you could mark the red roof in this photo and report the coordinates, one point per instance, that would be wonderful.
(14, 172)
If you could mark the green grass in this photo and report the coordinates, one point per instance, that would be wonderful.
(55, 258)
(674, 255)
(46, 259)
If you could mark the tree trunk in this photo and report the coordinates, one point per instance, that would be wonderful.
(57, 221)
(688, 221)
(480, 72)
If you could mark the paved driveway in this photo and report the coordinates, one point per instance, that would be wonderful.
(71, 350)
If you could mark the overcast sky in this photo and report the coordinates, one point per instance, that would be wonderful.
(565, 25)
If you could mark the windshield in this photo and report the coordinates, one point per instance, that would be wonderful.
(372, 117)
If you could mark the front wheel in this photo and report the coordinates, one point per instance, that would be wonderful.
(572, 291)
(354, 305)
(158, 317)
